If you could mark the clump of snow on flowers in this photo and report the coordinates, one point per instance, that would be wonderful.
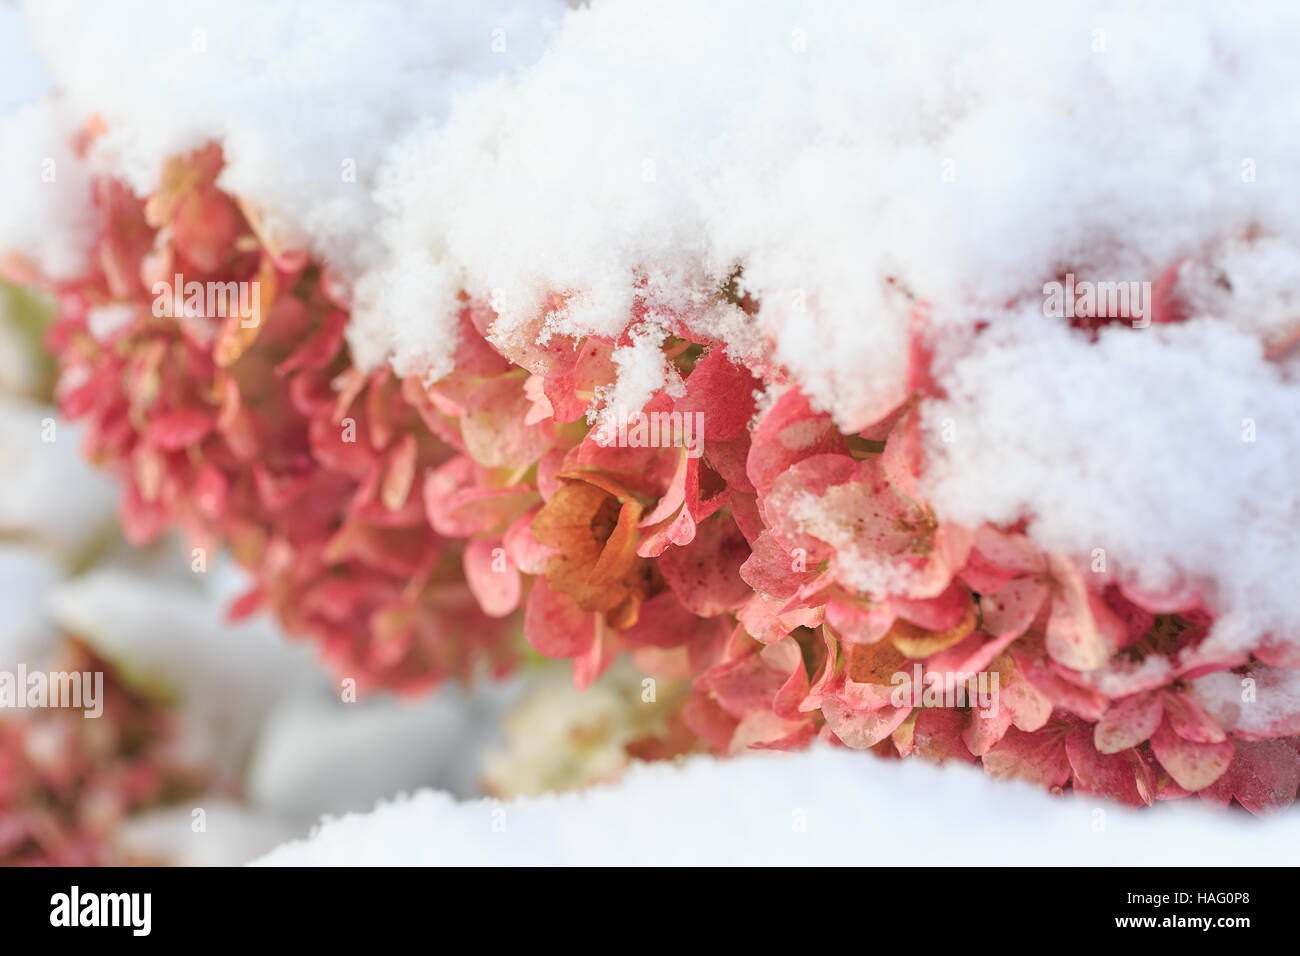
(305, 98)
(852, 167)
(47, 216)
(851, 159)
(1165, 456)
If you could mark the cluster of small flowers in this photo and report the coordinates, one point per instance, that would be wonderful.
(795, 573)
(67, 782)
(261, 436)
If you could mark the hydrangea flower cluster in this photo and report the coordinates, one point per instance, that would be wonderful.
(795, 573)
(261, 435)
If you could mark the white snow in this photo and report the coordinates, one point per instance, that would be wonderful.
(27, 632)
(856, 158)
(46, 215)
(47, 491)
(316, 754)
(22, 76)
(304, 97)
(819, 808)
(1173, 450)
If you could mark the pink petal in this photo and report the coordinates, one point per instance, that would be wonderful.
(555, 625)
(789, 432)
(1081, 701)
(492, 577)
(593, 662)
(1012, 609)
(709, 721)
(770, 569)
(1190, 720)
(1192, 765)
(985, 730)
(494, 425)
(1128, 722)
(743, 685)
(937, 736)
(705, 574)
(938, 613)
(663, 622)
(723, 392)
(528, 554)
(1081, 632)
(862, 729)
(319, 350)
(1029, 707)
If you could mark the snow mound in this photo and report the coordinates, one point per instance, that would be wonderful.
(823, 807)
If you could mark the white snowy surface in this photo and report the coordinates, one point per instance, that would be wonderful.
(22, 75)
(26, 629)
(1172, 450)
(316, 754)
(47, 491)
(304, 96)
(819, 808)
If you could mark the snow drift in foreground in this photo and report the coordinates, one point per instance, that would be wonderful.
(824, 807)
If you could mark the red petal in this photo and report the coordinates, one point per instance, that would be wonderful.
(1112, 775)
(705, 574)
(789, 432)
(722, 392)
(1263, 776)
(1038, 757)
(179, 428)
